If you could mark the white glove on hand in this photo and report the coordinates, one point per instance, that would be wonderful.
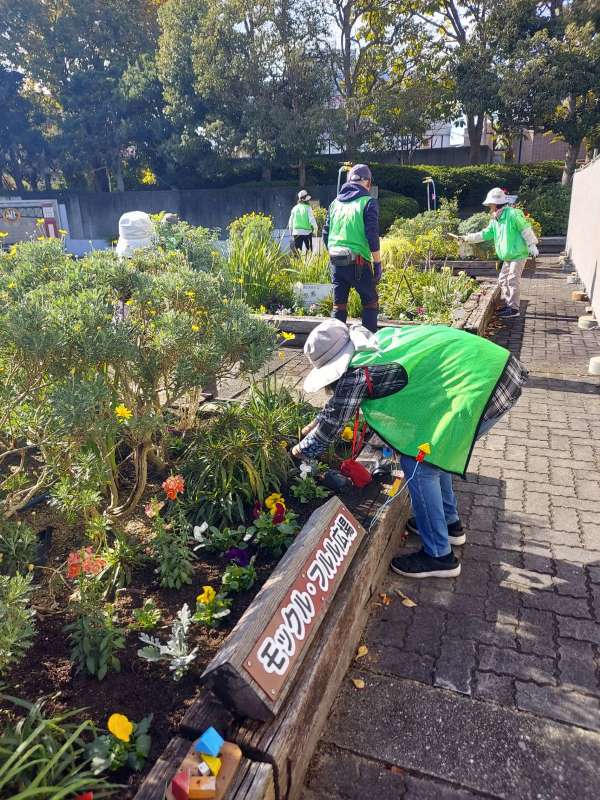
(533, 251)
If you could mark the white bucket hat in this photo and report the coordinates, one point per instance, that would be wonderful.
(330, 347)
(136, 232)
(498, 197)
(304, 195)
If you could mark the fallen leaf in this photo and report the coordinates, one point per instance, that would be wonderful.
(406, 601)
(362, 651)
(397, 770)
(385, 599)
(359, 683)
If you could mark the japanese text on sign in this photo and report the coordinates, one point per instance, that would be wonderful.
(301, 610)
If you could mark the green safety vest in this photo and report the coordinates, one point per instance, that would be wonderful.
(506, 234)
(451, 378)
(300, 217)
(347, 226)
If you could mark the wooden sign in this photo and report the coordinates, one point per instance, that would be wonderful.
(254, 670)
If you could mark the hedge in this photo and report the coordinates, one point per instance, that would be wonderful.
(392, 206)
(469, 184)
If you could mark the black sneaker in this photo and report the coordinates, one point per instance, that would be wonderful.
(509, 312)
(456, 534)
(421, 565)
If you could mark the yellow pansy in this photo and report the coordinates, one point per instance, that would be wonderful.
(122, 412)
(120, 727)
(347, 434)
(273, 499)
(287, 337)
(207, 596)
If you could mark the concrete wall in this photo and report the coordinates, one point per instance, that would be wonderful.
(583, 235)
(94, 215)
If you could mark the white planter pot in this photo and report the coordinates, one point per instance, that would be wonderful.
(312, 293)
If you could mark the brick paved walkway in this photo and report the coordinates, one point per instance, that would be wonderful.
(490, 685)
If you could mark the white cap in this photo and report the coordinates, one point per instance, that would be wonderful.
(136, 232)
(498, 197)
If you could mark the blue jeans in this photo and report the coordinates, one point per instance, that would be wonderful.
(433, 499)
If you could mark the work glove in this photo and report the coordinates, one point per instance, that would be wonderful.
(533, 251)
(377, 271)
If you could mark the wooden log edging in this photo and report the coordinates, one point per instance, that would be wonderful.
(287, 742)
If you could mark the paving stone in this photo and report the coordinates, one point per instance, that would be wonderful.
(560, 704)
(570, 579)
(535, 632)
(577, 666)
(454, 666)
(594, 573)
(337, 773)
(502, 605)
(471, 626)
(402, 663)
(565, 519)
(582, 629)
(576, 555)
(560, 604)
(425, 632)
(498, 688)
(425, 789)
(527, 666)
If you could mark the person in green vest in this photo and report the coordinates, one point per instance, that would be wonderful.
(351, 235)
(429, 391)
(514, 240)
(302, 223)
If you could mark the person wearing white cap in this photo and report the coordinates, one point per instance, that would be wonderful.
(136, 232)
(428, 391)
(514, 240)
(302, 223)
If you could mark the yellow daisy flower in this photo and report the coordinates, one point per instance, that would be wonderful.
(122, 412)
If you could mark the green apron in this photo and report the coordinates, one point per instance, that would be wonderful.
(451, 378)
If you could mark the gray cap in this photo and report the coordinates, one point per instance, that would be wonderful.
(329, 349)
(359, 172)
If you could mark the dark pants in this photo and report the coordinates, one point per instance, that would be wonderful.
(303, 239)
(362, 279)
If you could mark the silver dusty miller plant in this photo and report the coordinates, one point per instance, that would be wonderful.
(176, 651)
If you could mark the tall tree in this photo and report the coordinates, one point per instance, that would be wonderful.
(552, 76)
(258, 83)
(372, 46)
(468, 31)
(75, 52)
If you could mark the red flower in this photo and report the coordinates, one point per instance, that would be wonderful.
(173, 486)
(73, 565)
(85, 796)
(256, 510)
(279, 514)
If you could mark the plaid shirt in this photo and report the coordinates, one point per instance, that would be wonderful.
(387, 379)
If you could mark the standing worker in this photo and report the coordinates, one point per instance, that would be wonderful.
(429, 391)
(302, 223)
(351, 235)
(514, 240)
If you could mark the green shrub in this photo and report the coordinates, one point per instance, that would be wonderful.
(171, 550)
(91, 377)
(444, 220)
(429, 296)
(549, 205)
(18, 545)
(477, 222)
(238, 579)
(256, 267)
(199, 245)
(392, 206)
(320, 215)
(311, 267)
(17, 626)
(241, 455)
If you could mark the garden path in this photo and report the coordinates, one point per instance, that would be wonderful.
(489, 687)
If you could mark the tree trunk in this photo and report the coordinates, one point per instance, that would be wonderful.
(302, 174)
(474, 129)
(267, 173)
(119, 177)
(570, 162)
